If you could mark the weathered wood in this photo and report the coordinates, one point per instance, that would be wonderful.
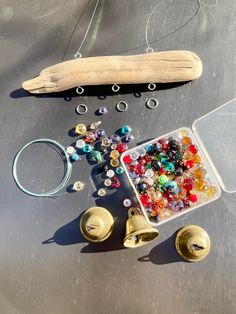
(157, 67)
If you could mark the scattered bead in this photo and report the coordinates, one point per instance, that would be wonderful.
(100, 133)
(101, 192)
(119, 170)
(114, 154)
(87, 148)
(80, 144)
(193, 149)
(107, 182)
(122, 147)
(114, 163)
(129, 138)
(95, 156)
(127, 202)
(75, 157)
(113, 146)
(115, 183)
(110, 173)
(102, 110)
(126, 130)
(78, 186)
(80, 129)
(70, 150)
(134, 155)
(115, 138)
(95, 125)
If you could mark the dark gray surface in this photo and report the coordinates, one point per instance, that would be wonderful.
(69, 275)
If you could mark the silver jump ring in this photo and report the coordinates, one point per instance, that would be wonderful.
(77, 55)
(81, 109)
(115, 88)
(122, 106)
(149, 50)
(79, 90)
(151, 86)
(152, 103)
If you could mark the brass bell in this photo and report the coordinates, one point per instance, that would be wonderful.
(192, 243)
(138, 231)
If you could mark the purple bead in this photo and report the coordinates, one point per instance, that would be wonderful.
(115, 138)
(100, 133)
(102, 110)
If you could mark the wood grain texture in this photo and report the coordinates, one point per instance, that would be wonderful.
(157, 67)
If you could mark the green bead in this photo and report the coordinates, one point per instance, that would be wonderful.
(169, 167)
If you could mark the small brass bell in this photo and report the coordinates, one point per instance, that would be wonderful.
(138, 231)
(192, 243)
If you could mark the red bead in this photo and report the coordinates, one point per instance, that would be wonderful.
(145, 200)
(189, 163)
(162, 171)
(188, 184)
(122, 147)
(193, 198)
(193, 149)
(127, 159)
(140, 169)
(115, 183)
(164, 144)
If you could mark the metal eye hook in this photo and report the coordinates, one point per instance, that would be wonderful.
(115, 88)
(79, 90)
(152, 86)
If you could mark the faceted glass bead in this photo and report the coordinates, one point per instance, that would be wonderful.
(115, 138)
(193, 198)
(186, 140)
(115, 183)
(164, 144)
(189, 163)
(114, 154)
(90, 137)
(127, 159)
(94, 125)
(126, 130)
(163, 179)
(140, 169)
(119, 170)
(142, 152)
(199, 173)
(87, 148)
(145, 200)
(80, 144)
(188, 184)
(165, 214)
(187, 155)
(75, 157)
(178, 155)
(196, 158)
(149, 173)
(134, 155)
(211, 191)
(193, 149)
(114, 163)
(95, 156)
(129, 138)
(122, 147)
(184, 133)
(173, 145)
(169, 167)
(106, 142)
(200, 185)
(80, 129)
(100, 133)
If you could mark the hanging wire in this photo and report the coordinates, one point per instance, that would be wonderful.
(67, 168)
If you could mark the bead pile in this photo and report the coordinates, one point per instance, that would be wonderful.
(169, 176)
(102, 149)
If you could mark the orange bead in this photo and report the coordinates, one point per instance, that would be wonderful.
(186, 140)
(200, 185)
(187, 155)
(184, 133)
(196, 158)
(199, 173)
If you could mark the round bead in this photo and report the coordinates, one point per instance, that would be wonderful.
(126, 130)
(189, 163)
(70, 150)
(114, 154)
(188, 184)
(211, 191)
(193, 198)
(193, 149)
(101, 192)
(80, 129)
(127, 202)
(80, 144)
(199, 173)
(169, 167)
(106, 142)
(196, 158)
(200, 185)
(100, 133)
(113, 146)
(90, 137)
(119, 170)
(127, 159)
(186, 140)
(149, 173)
(110, 173)
(115, 138)
(129, 138)
(87, 148)
(78, 186)
(75, 157)
(122, 147)
(114, 163)
(134, 155)
(107, 182)
(163, 179)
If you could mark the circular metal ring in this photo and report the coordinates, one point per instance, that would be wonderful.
(152, 103)
(122, 106)
(151, 86)
(77, 55)
(79, 90)
(81, 109)
(149, 50)
(115, 88)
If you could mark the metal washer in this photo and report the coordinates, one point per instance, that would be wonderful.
(152, 103)
(81, 109)
(122, 106)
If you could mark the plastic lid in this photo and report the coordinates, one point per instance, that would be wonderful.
(216, 134)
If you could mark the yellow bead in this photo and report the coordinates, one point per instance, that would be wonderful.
(211, 191)
(187, 155)
(80, 129)
(200, 185)
(199, 173)
(186, 140)
(196, 158)
(114, 154)
(165, 214)
(114, 163)
(184, 133)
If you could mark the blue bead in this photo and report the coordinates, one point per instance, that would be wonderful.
(75, 157)
(169, 167)
(126, 129)
(119, 170)
(87, 148)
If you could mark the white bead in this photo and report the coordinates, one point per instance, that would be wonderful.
(101, 192)
(80, 144)
(78, 186)
(127, 202)
(134, 155)
(110, 173)
(70, 150)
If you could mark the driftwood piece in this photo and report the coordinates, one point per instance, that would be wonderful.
(156, 67)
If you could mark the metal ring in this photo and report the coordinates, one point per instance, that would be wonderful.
(149, 50)
(81, 109)
(150, 101)
(151, 86)
(77, 55)
(79, 90)
(122, 106)
(115, 88)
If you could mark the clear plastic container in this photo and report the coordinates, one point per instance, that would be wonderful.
(215, 136)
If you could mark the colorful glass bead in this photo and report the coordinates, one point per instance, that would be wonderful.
(196, 158)
(193, 149)
(70, 150)
(80, 144)
(119, 170)
(110, 173)
(102, 110)
(163, 179)
(141, 151)
(100, 133)
(115, 183)
(193, 198)
(127, 202)
(188, 184)
(173, 145)
(114, 162)
(211, 191)
(165, 214)
(80, 129)
(87, 148)
(187, 155)
(95, 156)
(162, 171)
(115, 138)
(129, 138)
(134, 155)
(189, 163)
(75, 157)
(107, 182)
(113, 146)
(90, 137)
(156, 165)
(142, 187)
(199, 173)
(184, 133)
(149, 173)
(169, 167)
(145, 200)
(126, 130)
(106, 142)
(78, 186)
(114, 154)
(95, 125)
(127, 159)
(200, 185)
(178, 171)
(122, 147)
(186, 140)
(178, 155)
(164, 144)
(101, 192)
(140, 169)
